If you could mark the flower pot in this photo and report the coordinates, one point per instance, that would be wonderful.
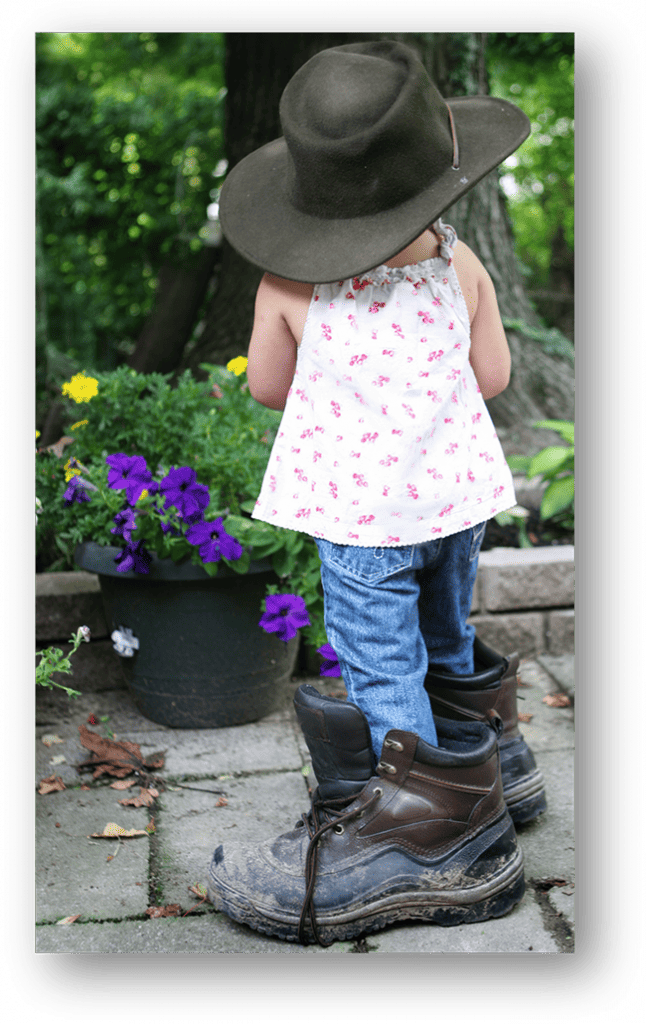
(197, 658)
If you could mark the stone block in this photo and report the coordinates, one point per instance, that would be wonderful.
(65, 601)
(510, 579)
(560, 631)
(522, 632)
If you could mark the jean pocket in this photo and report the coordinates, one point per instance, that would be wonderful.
(477, 539)
(371, 565)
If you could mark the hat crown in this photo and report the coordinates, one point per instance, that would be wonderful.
(365, 130)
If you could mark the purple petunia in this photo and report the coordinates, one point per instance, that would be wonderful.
(213, 541)
(284, 615)
(129, 472)
(330, 664)
(76, 491)
(134, 557)
(183, 491)
(125, 522)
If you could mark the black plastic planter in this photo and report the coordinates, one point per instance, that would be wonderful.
(202, 661)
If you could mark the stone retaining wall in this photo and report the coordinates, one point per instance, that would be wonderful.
(523, 601)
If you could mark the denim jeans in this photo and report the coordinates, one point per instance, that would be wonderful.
(392, 612)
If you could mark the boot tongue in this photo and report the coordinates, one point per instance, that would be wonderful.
(338, 739)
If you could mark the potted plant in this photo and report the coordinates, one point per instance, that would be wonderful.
(152, 489)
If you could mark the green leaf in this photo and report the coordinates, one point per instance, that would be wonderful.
(550, 461)
(558, 496)
(563, 427)
(519, 463)
(211, 568)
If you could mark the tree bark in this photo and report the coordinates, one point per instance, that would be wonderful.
(180, 293)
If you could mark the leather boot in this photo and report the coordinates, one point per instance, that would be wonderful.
(493, 687)
(427, 837)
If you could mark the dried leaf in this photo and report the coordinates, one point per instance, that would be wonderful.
(524, 716)
(52, 784)
(59, 759)
(114, 757)
(198, 890)
(557, 700)
(69, 920)
(122, 784)
(145, 799)
(171, 910)
(222, 802)
(114, 831)
(50, 738)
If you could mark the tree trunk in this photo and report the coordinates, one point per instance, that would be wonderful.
(180, 293)
(258, 66)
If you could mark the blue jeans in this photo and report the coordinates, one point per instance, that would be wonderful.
(392, 612)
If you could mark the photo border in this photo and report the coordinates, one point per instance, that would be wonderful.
(602, 976)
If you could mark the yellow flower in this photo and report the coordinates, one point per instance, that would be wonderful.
(144, 494)
(81, 423)
(238, 365)
(37, 434)
(71, 471)
(81, 388)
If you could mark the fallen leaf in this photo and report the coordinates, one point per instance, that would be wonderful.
(122, 784)
(50, 738)
(85, 788)
(172, 910)
(198, 890)
(69, 920)
(145, 799)
(524, 716)
(114, 831)
(150, 827)
(52, 784)
(222, 802)
(59, 759)
(112, 757)
(557, 700)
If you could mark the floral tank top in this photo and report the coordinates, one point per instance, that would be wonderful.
(385, 439)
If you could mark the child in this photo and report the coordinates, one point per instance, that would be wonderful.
(379, 335)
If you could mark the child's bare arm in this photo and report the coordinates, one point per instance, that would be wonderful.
(489, 354)
(273, 346)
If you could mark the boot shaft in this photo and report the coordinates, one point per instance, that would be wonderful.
(492, 687)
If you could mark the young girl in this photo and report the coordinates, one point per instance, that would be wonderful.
(379, 334)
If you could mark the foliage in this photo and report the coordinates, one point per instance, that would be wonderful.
(213, 426)
(53, 660)
(555, 464)
(536, 71)
(129, 138)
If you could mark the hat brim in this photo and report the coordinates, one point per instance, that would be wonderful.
(260, 221)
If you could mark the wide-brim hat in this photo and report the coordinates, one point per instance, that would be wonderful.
(371, 154)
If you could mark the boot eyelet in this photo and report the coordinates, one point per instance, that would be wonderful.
(385, 767)
(339, 829)
(394, 745)
(378, 791)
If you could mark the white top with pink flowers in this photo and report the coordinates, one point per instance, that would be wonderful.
(385, 439)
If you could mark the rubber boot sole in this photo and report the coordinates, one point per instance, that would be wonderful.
(402, 898)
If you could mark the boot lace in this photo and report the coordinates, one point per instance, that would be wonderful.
(322, 817)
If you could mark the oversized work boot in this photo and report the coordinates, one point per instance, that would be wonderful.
(427, 836)
(493, 687)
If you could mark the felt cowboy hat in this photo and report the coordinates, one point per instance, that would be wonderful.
(371, 154)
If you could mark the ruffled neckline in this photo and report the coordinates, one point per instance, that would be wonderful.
(414, 271)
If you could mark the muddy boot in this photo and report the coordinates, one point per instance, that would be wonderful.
(493, 687)
(427, 837)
